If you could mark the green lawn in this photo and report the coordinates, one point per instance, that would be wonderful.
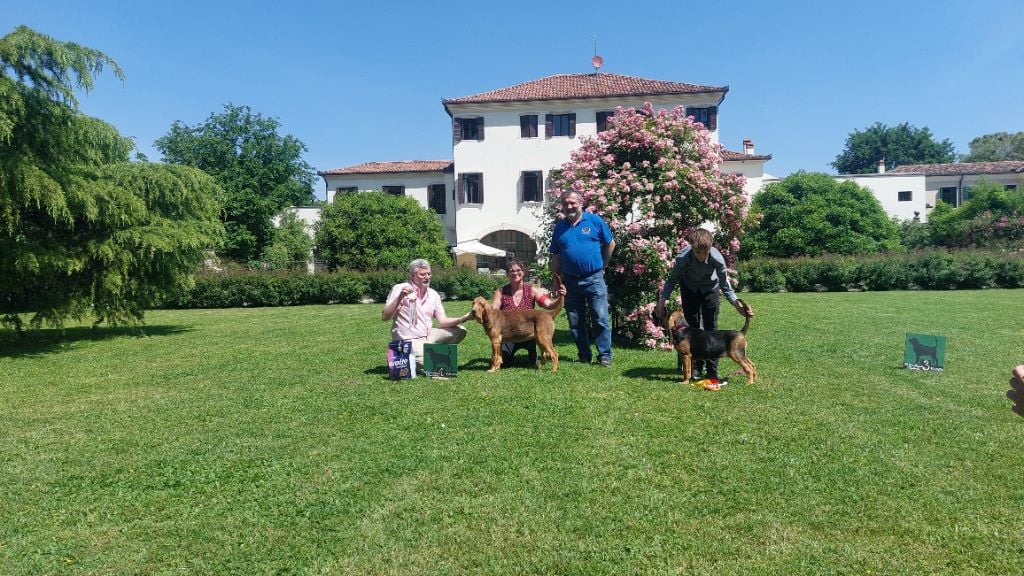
(268, 441)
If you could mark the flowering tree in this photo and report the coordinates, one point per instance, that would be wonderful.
(653, 176)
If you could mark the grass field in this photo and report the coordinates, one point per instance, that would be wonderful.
(268, 441)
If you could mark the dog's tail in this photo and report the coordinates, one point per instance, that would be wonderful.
(747, 313)
(561, 297)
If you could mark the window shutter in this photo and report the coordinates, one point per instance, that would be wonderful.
(481, 181)
(713, 118)
(460, 185)
(572, 125)
(602, 121)
(547, 126)
(457, 130)
(522, 186)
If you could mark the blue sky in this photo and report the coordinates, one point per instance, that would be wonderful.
(359, 82)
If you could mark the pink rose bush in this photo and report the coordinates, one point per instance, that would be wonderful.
(653, 176)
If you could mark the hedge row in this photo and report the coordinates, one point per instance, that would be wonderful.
(925, 270)
(238, 289)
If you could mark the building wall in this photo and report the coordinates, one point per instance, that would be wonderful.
(752, 170)
(886, 188)
(416, 186)
(309, 215)
(935, 183)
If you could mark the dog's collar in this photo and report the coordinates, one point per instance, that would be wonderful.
(679, 333)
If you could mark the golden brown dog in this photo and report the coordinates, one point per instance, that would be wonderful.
(693, 343)
(518, 326)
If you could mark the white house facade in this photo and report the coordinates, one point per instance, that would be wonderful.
(911, 191)
(506, 142)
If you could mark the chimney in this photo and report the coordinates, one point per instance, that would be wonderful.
(881, 166)
(748, 146)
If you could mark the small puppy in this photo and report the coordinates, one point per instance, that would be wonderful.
(710, 344)
(517, 326)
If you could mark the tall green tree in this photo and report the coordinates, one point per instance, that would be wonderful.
(260, 171)
(811, 213)
(83, 231)
(898, 145)
(996, 147)
(373, 230)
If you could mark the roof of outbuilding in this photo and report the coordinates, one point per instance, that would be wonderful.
(737, 156)
(581, 86)
(961, 168)
(399, 167)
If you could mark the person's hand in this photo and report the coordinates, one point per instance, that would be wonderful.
(562, 290)
(745, 311)
(659, 310)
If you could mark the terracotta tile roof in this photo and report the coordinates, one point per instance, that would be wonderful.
(574, 86)
(961, 168)
(730, 155)
(392, 167)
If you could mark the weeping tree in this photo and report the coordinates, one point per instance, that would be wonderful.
(83, 231)
(653, 176)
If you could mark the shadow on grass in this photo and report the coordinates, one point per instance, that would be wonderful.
(658, 374)
(1016, 395)
(475, 365)
(51, 340)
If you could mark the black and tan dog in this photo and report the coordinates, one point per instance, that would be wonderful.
(700, 344)
(518, 326)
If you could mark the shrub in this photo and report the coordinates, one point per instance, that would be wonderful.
(884, 273)
(936, 271)
(801, 274)
(762, 275)
(838, 274)
(929, 269)
(1009, 272)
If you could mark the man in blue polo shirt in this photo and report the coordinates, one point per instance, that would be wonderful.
(581, 247)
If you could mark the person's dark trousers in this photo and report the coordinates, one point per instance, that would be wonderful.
(508, 352)
(586, 299)
(701, 311)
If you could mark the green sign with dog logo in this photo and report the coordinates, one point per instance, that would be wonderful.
(924, 352)
(441, 360)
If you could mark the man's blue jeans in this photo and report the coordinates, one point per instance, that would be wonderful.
(589, 295)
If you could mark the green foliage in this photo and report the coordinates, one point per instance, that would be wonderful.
(996, 147)
(261, 171)
(240, 288)
(82, 230)
(927, 270)
(898, 145)
(373, 230)
(991, 217)
(811, 213)
(914, 234)
(291, 246)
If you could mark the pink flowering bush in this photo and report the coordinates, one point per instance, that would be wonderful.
(653, 176)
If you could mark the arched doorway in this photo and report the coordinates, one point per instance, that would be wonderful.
(515, 244)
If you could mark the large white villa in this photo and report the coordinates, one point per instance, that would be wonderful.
(506, 142)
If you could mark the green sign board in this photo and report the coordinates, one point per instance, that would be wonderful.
(441, 360)
(924, 352)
